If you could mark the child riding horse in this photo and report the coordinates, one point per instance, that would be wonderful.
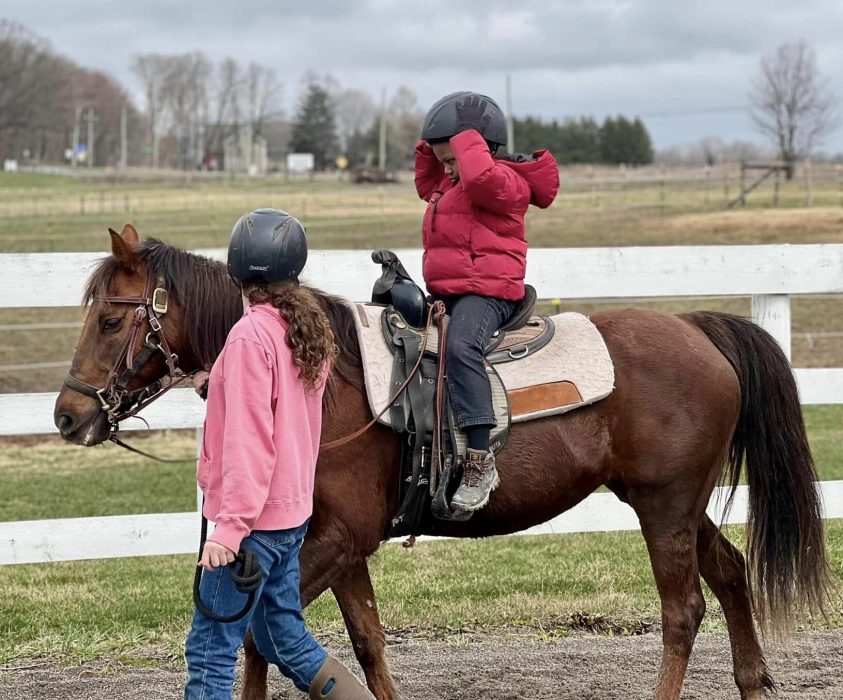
(475, 254)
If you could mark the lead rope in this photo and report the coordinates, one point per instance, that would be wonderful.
(247, 579)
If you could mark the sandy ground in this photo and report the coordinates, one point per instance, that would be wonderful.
(493, 668)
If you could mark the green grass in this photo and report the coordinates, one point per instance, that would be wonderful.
(825, 432)
(55, 480)
(540, 586)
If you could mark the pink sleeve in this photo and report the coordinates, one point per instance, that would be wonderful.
(429, 171)
(248, 453)
(489, 185)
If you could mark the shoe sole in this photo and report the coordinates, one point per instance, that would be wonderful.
(483, 503)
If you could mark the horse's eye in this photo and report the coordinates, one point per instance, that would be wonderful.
(111, 324)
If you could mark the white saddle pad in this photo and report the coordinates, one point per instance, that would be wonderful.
(574, 369)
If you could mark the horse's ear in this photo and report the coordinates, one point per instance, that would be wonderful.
(122, 249)
(130, 234)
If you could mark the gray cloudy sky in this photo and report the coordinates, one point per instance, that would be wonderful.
(671, 58)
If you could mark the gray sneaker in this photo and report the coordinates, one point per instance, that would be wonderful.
(479, 479)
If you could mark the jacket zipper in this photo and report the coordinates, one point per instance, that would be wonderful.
(435, 204)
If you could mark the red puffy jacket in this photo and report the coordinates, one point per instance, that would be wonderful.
(473, 232)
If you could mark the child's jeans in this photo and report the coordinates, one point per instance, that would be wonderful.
(474, 319)
(275, 619)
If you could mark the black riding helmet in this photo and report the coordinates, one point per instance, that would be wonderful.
(268, 245)
(441, 121)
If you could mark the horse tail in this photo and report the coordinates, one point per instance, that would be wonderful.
(788, 571)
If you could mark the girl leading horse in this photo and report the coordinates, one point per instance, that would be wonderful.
(697, 396)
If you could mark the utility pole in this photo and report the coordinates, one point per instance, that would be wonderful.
(89, 154)
(510, 126)
(124, 155)
(75, 157)
(382, 139)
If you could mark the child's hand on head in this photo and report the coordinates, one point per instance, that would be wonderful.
(471, 114)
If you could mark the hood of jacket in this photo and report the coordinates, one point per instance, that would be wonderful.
(541, 173)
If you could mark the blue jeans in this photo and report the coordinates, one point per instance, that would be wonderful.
(474, 319)
(275, 619)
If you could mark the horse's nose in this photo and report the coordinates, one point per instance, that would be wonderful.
(66, 424)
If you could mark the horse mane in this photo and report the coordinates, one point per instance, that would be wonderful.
(212, 304)
(348, 364)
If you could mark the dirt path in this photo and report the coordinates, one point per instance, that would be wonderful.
(491, 668)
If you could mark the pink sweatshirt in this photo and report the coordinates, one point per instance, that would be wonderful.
(262, 431)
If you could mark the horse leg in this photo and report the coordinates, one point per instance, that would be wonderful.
(321, 559)
(724, 570)
(671, 539)
(254, 671)
(356, 600)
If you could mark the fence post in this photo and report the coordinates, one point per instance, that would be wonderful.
(809, 184)
(725, 184)
(772, 313)
(839, 170)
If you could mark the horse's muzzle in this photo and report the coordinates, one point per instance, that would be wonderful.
(87, 431)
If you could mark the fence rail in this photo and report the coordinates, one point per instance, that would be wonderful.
(769, 274)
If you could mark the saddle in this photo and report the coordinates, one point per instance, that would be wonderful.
(416, 346)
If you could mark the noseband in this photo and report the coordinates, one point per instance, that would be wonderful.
(114, 397)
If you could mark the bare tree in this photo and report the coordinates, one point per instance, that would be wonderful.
(355, 112)
(226, 105)
(24, 65)
(404, 119)
(263, 95)
(151, 69)
(41, 95)
(185, 95)
(791, 102)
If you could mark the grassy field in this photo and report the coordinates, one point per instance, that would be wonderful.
(553, 585)
(48, 213)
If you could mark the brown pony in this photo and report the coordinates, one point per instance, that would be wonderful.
(698, 395)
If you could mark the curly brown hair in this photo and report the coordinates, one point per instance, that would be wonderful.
(309, 333)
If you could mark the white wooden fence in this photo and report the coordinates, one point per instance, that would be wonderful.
(769, 274)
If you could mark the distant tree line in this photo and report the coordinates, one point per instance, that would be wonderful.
(192, 105)
(584, 140)
(43, 96)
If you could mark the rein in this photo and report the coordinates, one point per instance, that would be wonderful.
(114, 396)
(435, 315)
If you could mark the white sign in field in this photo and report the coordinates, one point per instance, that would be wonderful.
(300, 162)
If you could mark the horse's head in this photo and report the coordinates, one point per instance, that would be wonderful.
(151, 317)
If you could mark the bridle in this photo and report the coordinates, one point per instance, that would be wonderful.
(115, 399)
